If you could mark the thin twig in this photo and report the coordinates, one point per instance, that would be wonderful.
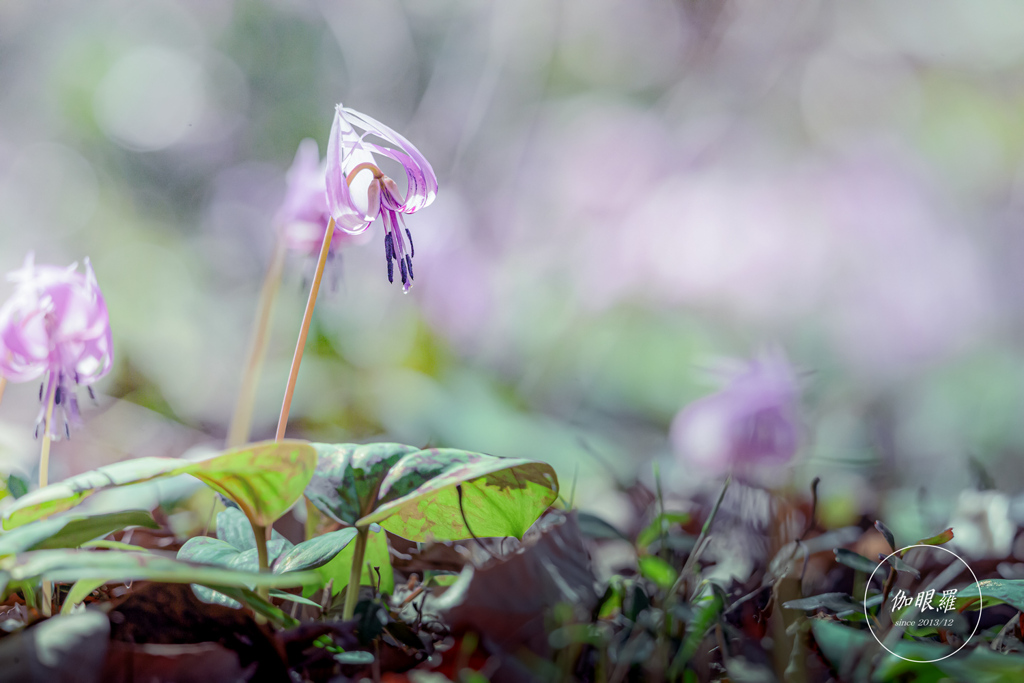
(241, 421)
(300, 346)
(814, 508)
(699, 545)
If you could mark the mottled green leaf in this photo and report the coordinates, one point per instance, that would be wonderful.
(264, 479)
(206, 550)
(68, 493)
(994, 592)
(316, 552)
(213, 551)
(430, 494)
(844, 647)
(377, 555)
(234, 528)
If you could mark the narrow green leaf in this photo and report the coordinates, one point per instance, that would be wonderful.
(113, 545)
(938, 539)
(706, 614)
(355, 657)
(658, 526)
(79, 592)
(272, 612)
(594, 527)
(834, 602)
(852, 559)
(65, 566)
(902, 566)
(70, 531)
(291, 597)
(17, 486)
(657, 570)
(79, 530)
(884, 530)
(433, 494)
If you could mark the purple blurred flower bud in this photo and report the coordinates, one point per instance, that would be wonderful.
(304, 215)
(754, 419)
(55, 324)
(358, 191)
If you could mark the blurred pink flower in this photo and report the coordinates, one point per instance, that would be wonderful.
(753, 420)
(55, 324)
(303, 215)
(358, 191)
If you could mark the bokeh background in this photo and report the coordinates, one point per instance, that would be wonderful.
(629, 191)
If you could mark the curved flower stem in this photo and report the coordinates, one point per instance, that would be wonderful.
(307, 317)
(3, 385)
(241, 421)
(356, 574)
(44, 472)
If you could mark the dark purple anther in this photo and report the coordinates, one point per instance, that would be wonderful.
(401, 265)
(412, 247)
(408, 263)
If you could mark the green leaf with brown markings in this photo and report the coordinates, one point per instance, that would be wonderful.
(263, 478)
(439, 494)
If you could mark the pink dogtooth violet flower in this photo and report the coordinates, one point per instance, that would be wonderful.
(754, 419)
(358, 191)
(303, 215)
(56, 325)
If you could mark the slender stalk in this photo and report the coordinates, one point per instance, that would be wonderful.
(698, 546)
(44, 474)
(356, 574)
(241, 421)
(307, 317)
(261, 553)
(3, 385)
(44, 453)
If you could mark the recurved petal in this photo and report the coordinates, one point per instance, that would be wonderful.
(422, 181)
(353, 206)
